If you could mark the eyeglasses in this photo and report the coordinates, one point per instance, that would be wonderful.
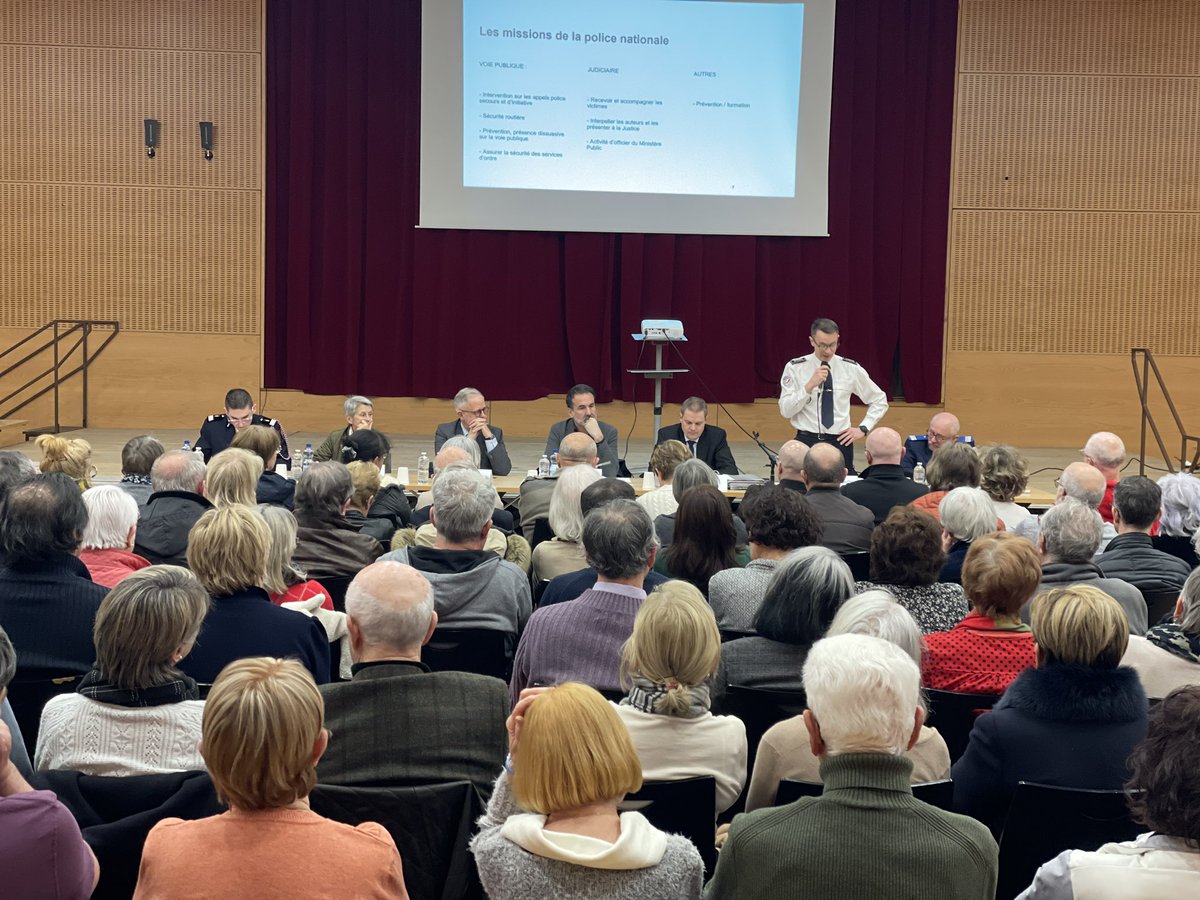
(832, 345)
(1058, 482)
(934, 436)
(482, 411)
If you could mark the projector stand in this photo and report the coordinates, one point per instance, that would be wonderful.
(657, 374)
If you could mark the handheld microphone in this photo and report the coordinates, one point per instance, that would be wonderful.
(821, 400)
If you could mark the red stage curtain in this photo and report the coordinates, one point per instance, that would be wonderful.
(359, 300)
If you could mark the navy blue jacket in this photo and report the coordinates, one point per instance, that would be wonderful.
(569, 586)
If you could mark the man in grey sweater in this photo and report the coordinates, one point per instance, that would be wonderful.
(866, 836)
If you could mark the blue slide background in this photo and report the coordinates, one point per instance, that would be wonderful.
(754, 49)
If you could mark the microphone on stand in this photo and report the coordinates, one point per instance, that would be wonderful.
(772, 458)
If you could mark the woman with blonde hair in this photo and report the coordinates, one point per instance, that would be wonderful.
(1071, 721)
(232, 477)
(263, 442)
(263, 737)
(284, 581)
(135, 712)
(71, 456)
(367, 486)
(552, 828)
(665, 458)
(666, 665)
(565, 552)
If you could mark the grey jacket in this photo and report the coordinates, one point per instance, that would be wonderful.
(605, 449)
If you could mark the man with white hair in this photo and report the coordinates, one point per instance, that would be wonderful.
(866, 836)
(883, 484)
(385, 715)
(1069, 537)
(472, 587)
(970, 515)
(919, 448)
(474, 423)
(1079, 481)
(1106, 452)
(109, 536)
(176, 505)
(360, 415)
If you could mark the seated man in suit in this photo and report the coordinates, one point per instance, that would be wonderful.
(217, 431)
(919, 448)
(473, 411)
(384, 716)
(581, 402)
(883, 484)
(533, 504)
(706, 442)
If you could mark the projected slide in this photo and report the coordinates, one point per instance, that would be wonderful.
(644, 96)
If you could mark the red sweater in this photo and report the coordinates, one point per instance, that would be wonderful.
(108, 567)
(975, 657)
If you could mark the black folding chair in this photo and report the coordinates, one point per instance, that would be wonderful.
(1159, 605)
(336, 586)
(481, 650)
(859, 563)
(27, 697)
(541, 532)
(1044, 820)
(686, 807)
(954, 714)
(935, 793)
(539, 588)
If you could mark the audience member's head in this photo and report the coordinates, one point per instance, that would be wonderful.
(451, 455)
(967, 513)
(459, 442)
(1071, 532)
(139, 454)
(1187, 608)
(233, 477)
(705, 540)
(619, 540)
(574, 751)
(263, 733)
(953, 465)
(262, 441)
(8, 662)
(359, 412)
(1106, 452)
(365, 445)
(389, 609)
(603, 491)
(365, 478)
(1082, 482)
(943, 429)
(71, 456)
(885, 447)
(675, 645)
(1004, 473)
(1164, 783)
(906, 549)
(228, 549)
(1079, 625)
(577, 449)
(281, 572)
(324, 491)
(14, 468)
(877, 614)
(463, 501)
(789, 464)
(1180, 505)
(780, 519)
(566, 511)
(146, 625)
(40, 518)
(112, 517)
(1000, 574)
(824, 466)
(178, 470)
(689, 474)
(1136, 504)
(864, 696)
(804, 593)
(666, 457)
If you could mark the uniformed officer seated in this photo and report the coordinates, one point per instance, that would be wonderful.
(217, 431)
(919, 448)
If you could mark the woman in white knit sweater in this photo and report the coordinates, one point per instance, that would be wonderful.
(575, 762)
(134, 712)
(666, 664)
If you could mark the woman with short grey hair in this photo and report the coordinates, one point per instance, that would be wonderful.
(1179, 523)
(967, 514)
(360, 413)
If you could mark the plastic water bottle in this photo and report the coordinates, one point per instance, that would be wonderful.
(553, 463)
(919, 473)
(187, 446)
(544, 466)
(423, 468)
(306, 460)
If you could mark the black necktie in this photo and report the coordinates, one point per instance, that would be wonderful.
(692, 447)
(827, 399)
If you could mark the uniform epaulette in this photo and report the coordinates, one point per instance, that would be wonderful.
(272, 422)
(918, 437)
(797, 360)
(852, 362)
(214, 418)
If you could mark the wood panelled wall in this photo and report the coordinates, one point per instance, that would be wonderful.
(1075, 221)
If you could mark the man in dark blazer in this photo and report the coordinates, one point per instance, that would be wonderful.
(883, 484)
(707, 442)
(581, 402)
(396, 722)
(847, 525)
(473, 412)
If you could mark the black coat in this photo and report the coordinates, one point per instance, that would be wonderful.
(882, 488)
(164, 524)
(1132, 557)
(274, 488)
(1065, 725)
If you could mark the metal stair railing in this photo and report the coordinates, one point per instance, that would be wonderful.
(1144, 366)
(52, 336)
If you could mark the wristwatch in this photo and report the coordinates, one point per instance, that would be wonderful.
(863, 429)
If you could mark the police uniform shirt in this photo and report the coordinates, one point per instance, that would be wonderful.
(917, 450)
(216, 433)
(803, 410)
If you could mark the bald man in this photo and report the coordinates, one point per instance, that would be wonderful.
(1106, 452)
(501, 518)
(387, 715)
(847, 525)
(1080, 481)
(919, 448)
(883, 484)
(789, 465)
(576, 449)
